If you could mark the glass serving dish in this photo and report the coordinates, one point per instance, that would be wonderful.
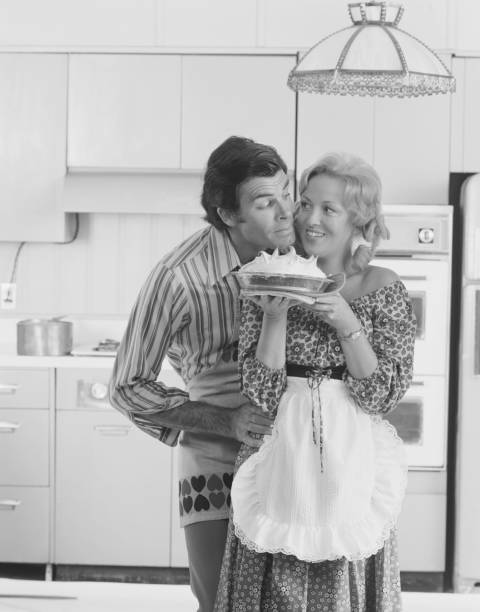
(304, 288)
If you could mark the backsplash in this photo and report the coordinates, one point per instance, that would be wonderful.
(101, 272)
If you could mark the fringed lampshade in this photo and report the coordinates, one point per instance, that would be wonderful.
(373, 57)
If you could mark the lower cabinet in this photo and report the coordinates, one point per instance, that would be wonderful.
(113, 482)
(24, 524)
(178, 556)
(26, 410)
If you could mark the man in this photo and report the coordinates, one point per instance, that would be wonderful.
(188, 310)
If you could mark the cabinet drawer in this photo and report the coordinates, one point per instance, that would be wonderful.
(24, 443)
(24, 388)
(24, 524)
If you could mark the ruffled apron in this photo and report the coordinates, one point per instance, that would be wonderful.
(328, 483)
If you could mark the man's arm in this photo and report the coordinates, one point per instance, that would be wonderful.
(161, 411)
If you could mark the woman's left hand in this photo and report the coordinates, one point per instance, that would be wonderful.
(335, 310)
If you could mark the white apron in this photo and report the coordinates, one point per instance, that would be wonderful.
(338, 496)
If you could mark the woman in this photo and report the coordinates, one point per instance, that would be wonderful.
(349, 359)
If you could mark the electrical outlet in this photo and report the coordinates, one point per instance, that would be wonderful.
(8, 296)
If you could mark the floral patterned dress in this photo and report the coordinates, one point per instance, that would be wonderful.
(252, 581)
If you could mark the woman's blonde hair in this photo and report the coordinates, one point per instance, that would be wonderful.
(362, 199)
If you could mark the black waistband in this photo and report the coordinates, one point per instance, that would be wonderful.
(294, 369)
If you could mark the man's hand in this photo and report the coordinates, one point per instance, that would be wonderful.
(250, 424)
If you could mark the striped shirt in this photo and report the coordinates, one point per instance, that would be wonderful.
(188, 311)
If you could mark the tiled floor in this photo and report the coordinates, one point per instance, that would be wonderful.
(38, 596)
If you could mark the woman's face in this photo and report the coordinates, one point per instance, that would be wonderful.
(322, 222)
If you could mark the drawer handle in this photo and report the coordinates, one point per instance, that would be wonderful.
(9, 504)
(413, 278)
(417, 383)
(7, 427)
(113, 430)
(6, 389)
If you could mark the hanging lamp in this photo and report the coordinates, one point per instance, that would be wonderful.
(373, 57)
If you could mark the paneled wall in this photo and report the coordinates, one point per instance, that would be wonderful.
(101, 272)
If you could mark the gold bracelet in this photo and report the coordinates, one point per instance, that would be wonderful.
(352, 336)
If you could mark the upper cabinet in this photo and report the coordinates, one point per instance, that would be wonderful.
(236, 95)
(465, 125)
(406, 140)
(411, 149)
(33, 116)
(124, 111)
(334, 123)
(166, 112)
(464, 25)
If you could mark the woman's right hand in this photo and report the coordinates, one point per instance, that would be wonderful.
(273, 306)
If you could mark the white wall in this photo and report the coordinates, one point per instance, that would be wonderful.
(100, 273)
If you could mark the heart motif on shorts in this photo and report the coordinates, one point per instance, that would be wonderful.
(227, 479)
(217, 499)
(214, 483)
(186, 489)
(187, 503)
(201, 503)
(198, 483)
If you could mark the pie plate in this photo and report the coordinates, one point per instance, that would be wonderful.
(303, 288)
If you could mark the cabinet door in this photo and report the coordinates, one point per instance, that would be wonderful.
(179, 556)
(412, 149)
(236, 95)
(334, 123)
(466, 16)
(33, 111)
(24, 447)
(112, 493)
(124, 111)
(24, 525)
(465, 130)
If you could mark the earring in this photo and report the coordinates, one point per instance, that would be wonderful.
(357, 241)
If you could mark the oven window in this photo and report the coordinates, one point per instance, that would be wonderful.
(418, 299)
(407, 418)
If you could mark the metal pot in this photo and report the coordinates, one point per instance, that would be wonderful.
(44, 337)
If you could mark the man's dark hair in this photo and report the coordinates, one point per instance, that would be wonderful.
(231, 163)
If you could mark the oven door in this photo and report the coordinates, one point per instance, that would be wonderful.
(428, 285)
(421, 422)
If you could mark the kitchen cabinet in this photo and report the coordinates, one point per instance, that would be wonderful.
(236, 95)
(178, 554)
(406, 140)
(411, 149)
(33, 115)
(124, 111)
(465, 123)
(25, 425)
(334, 123)
(301, 24)
(466, 16)
(210, 23)
(113, 482)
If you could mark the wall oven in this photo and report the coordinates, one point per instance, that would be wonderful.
(419, 251)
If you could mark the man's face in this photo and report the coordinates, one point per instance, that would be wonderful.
(264, 219)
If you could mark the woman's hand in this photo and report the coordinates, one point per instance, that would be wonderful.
(273, 306)
(335, 310)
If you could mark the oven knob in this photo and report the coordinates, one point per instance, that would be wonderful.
(98, 391)
(426, 235)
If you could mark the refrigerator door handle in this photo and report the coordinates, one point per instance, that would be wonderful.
(476, 347)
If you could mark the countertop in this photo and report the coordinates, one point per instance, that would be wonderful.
(10, 359)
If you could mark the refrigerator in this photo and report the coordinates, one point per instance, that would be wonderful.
(466, 557)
